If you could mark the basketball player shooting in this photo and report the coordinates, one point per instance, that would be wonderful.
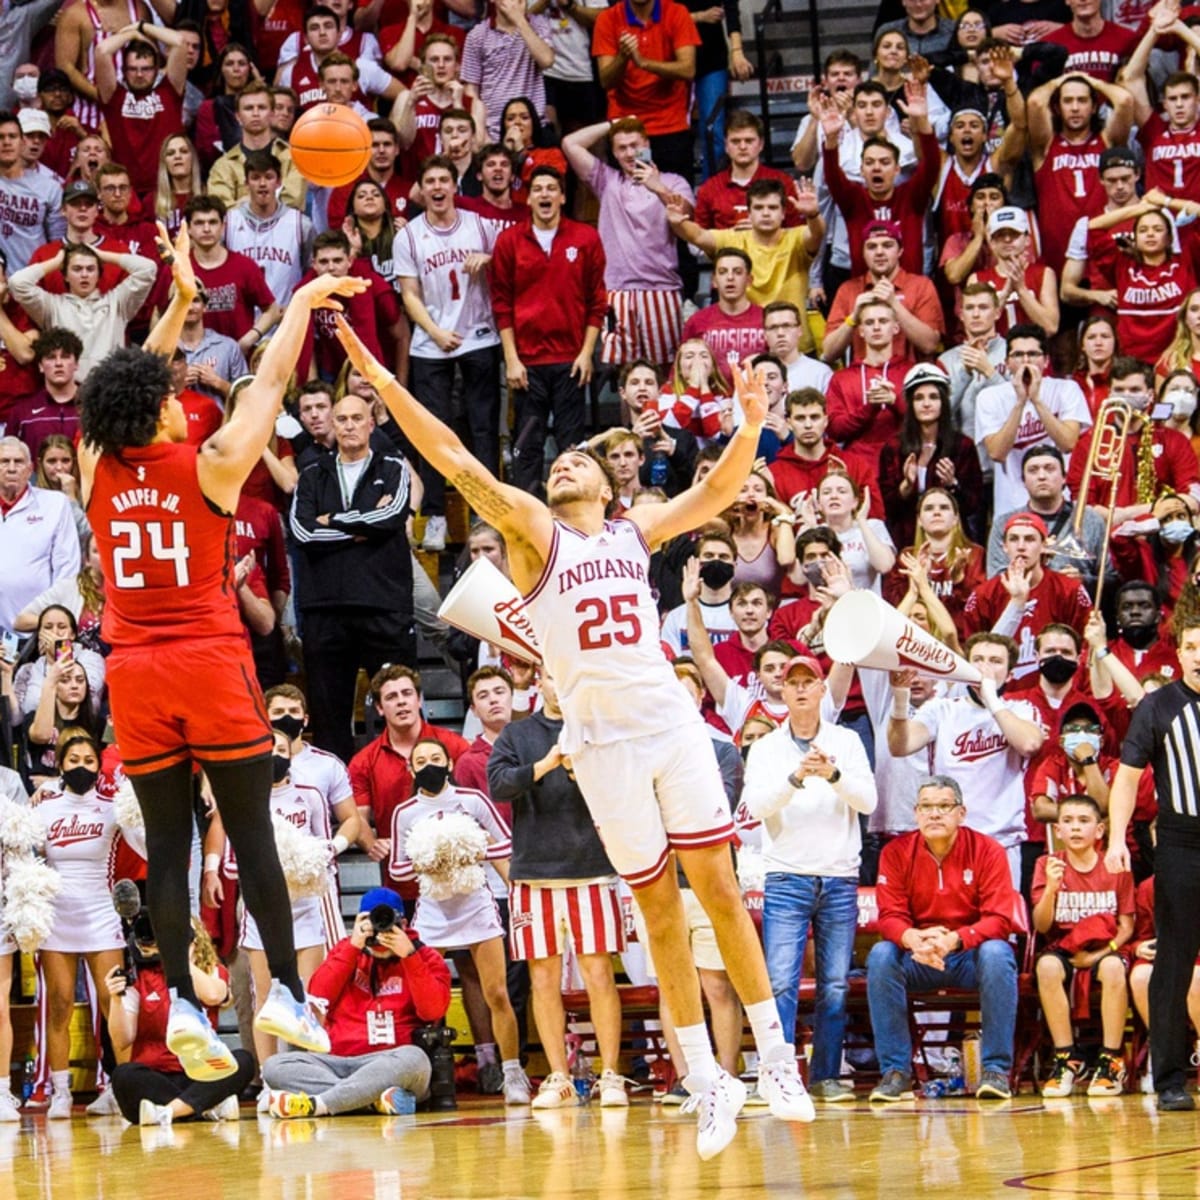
(181, 679)
(632, 735)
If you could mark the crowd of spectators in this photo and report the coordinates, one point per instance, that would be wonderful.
(974, 300)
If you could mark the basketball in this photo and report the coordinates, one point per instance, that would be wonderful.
(330, 145)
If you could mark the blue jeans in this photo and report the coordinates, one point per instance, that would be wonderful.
(891, 975)
(710, 89)
(790, 902)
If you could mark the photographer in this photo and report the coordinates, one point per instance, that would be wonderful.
(151, 1089)
(380, 985)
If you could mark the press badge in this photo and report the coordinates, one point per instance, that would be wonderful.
(381, 1028)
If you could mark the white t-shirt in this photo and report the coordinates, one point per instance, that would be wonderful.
(854, 553)
(315, 768)
(1065, 400)
(971, 748)
(808, 372)
(717, 622)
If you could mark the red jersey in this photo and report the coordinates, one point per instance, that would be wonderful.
(166, 551)
(1101, 56)
(110, 273)
(137, 128)
(1172, 159)
(284, 18)
(390, 35)
(1083, 894)
(1148, 302)
(305, 81)
(1013, 311)
(952, 202)
(721, 202)
(1102, 256)
(259, 530)
(427, 117)
(237, 292)
(1068, 185)
(853, 420)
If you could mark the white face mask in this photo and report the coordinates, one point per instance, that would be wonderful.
(1183, 403)
(26, 87)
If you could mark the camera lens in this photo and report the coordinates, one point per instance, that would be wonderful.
(382, 918)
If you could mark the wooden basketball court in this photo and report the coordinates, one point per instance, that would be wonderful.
(1118, 1148)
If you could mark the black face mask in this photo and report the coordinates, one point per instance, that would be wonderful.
(715, 574)
(1056, 669)
(1139, 637)
(80, 780)
(431, 777)
(745, 750)
(289, 725)
(280, 767)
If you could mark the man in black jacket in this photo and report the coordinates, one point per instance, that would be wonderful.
(555, 846)
(354, 571)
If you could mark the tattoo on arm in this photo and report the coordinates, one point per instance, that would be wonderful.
(485, 500)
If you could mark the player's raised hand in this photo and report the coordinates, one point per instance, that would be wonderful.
(751, 394)
(178, 257)
(319, 292)
(363, 361)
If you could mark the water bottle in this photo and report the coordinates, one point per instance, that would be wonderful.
(658, 469)
(581, 1077)
(28, 1079)
(956, 1084)
(934, 1089)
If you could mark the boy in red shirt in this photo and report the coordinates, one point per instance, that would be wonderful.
(1086, 913)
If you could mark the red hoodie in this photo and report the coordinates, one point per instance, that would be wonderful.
(795, 476)
(861, 427)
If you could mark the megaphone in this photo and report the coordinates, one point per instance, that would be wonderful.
(485, 604)
(866, 631)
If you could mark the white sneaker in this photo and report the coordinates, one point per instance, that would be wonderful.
(262, 1105)
(104, 1105)
(283, 1016)
(516, 1086)
(8, 1108)
(718, 1106)
(779, 1083)
(612, 1090)
(227, 1110)
(556, 1091)
(435, 534)
(150, 1113)
(60, 1106)
(194, 1042)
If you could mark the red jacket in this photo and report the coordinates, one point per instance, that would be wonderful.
(550, 300)
(415, 990)
(857, 424)
(795, 476)
(970, 891)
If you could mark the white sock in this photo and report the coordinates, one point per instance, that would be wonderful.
(60, 1082)
(768, 1031)
(485, 1052)
(510, 1064)
(698, 1060)
(319, 1109)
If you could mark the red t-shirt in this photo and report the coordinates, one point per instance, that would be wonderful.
(137, 128)
(663, 105)
(390, 35)
(237, 291)
(1083, 894)
(721, 333)
(154, 1008)
(203, 414)
(721, 203)
(284, 18)
(397, 190)
(1101, 56)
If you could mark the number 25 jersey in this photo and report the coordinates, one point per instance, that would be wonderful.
(167, 552)
(595, 617)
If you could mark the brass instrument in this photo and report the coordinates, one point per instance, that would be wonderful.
(1106, 453)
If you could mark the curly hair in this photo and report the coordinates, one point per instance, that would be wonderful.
(120, 401)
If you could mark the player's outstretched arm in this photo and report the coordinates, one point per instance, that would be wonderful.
(164, 337)
(523, 520)
(228, 457)
(710, 497)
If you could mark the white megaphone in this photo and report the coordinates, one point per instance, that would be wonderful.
(485, 604)
(867, 631)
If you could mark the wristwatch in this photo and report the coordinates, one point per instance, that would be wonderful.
(837, 774)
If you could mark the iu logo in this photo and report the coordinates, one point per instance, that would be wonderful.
(572, 253)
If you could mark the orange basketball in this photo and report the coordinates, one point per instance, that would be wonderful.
(331, 145)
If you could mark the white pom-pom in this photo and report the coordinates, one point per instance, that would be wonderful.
(304, 859)
(751, 870)
(126, 808)
(446, 850)
(29, 891)
(20, 830)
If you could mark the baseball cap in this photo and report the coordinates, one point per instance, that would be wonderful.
(1117, 156)
(52, 77)
(925, 373)
(883, 229)
(1029, 520)
(79, 189)
(806, 661)
(380, 895)
(1008, 217)
(33, 120)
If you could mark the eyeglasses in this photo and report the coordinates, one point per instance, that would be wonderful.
(935, 810)
(115, 189)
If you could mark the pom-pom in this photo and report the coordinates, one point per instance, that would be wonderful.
(29, 891)
(20, 830)
(126, 808)
(446, 850)
(304, 859)
(751, 870)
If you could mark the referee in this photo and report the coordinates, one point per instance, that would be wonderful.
(1165, 734)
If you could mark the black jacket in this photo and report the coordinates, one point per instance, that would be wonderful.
(361, 558)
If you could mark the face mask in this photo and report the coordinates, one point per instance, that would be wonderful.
(1176, 531)
(291, 726)
(1182, 403)
(280, 767)
(745, 751)
(80, 780)
(1057, 669)
(26, 87)
(1138, 637)
(1072, 741)
(715, 574)
(431, 777)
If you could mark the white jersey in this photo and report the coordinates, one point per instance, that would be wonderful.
(456, 301)
(324, 772)
(597, 623)
(970, 747)
(281, 244)
(718, 624)
(299, 805)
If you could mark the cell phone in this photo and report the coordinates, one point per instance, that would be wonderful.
(1162, 412)
(10, 644)
(643, 155)
(64, 650)
(814, 574)
(427, 71)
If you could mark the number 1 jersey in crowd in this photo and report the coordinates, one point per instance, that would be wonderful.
(595, 617)
(166, 550)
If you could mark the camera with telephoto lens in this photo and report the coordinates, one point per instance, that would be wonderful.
(383, 918)
(436, 1041)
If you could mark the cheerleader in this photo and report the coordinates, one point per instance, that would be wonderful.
(79, 830)
(12, 794)
(463, 922)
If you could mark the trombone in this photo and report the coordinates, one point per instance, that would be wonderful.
(1106, 455)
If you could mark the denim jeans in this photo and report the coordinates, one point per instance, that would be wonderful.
(710, 91)
(891, 975)
(790, 902)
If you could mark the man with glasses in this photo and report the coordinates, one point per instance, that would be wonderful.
(781, 331)
(945, 913)
(115, 193)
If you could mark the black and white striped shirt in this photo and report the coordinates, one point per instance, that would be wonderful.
(1164, 733)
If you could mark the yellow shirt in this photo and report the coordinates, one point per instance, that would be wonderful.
(780, 271)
